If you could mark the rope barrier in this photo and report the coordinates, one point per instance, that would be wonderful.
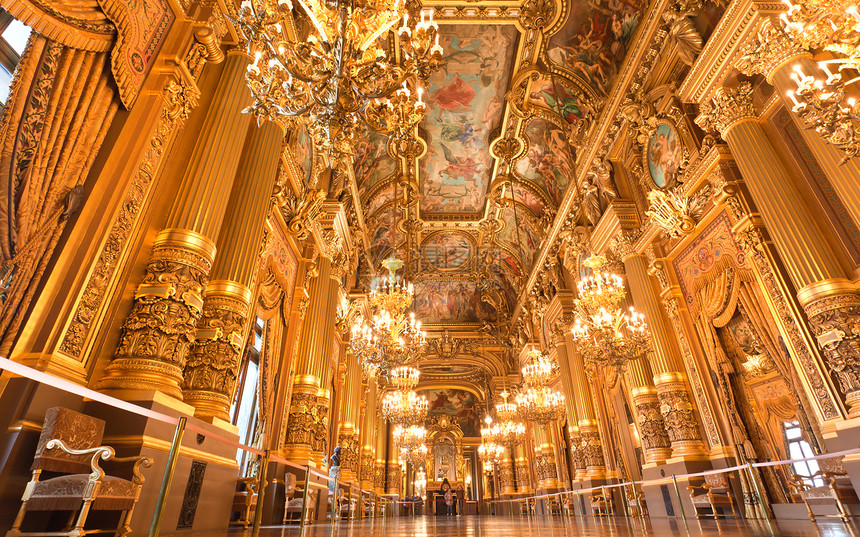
(24, 371)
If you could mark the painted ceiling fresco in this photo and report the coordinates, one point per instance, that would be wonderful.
(519, 234)
(547, 162)
(448, 251)
(372, 162)
(465, 103)
(460, 405)
(594, 40)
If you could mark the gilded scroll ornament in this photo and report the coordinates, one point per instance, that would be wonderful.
(302, 419)
(349, 456)
(368, 460)
(678, 414)
(545, 467)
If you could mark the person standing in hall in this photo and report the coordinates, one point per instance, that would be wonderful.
(461, 499)
(447, 496)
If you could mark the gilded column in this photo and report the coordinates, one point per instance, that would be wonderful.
(589, 432)
(656, 445)
(379, 468)
(168, 303)
(348, 432)
(303, 428)
(577, 453)
(213, 363)
(772, 54)
(506, 473)
(831, 301)
(521, 465)
(368, 435)
(670, 382)
(392, 474)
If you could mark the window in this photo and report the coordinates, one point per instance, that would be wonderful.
(13, 40)
(798, 448)
(243, 414)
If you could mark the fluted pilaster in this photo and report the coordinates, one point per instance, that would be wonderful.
(168, 304)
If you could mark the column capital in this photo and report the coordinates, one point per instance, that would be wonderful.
(768, 50)
(729, 107)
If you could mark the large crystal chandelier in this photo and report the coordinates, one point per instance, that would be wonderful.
(411, 441)
(822, 100)
(490, 453)
(605, 334)
(339, 77)
(507, 430)
(402, 405)
(390, 338)
(537, 401)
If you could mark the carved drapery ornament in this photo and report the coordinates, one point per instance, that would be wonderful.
(302, 419)
(349, 456)
(728, 107)
(365, 472)
(591, 448)
(393, 478)
(545, 467)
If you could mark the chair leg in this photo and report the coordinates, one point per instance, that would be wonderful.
(809, 510)
(843, 515)
(19, 519)
(78, 530)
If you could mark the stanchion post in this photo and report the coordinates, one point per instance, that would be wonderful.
(261, 491)
(680, 502)
(169, 469)
(305, 495)
(758, 492)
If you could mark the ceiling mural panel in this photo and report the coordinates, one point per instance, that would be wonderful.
(384, 195)
(465, 102)
(444, 301)
(519, 234)
(595, 38)
(547, 161)
(460, 405)
(372, 163)
(448, 251)
(380, 243)
(552, 94)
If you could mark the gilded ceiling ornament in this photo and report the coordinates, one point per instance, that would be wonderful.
(676, 213)
(536, 14)
(598, 190)
(683, 34)
(300, 214)
(767, 51)
(728, 107)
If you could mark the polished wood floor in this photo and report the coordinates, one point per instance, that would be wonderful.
(476, 526)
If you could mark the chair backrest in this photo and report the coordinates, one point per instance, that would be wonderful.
(290, 480)
(832, 464)
(717, 481)
(76, 431)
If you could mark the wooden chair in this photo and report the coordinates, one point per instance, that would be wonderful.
(837, 489)
(568, 502)
(602, 505)
(69, 451)
(553, 505)
(245, 500)
(716, 495)
(636, 502)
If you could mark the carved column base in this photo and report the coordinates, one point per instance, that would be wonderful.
(577, 454)
(168, 303)
(319, 438)
(506, 477)
(592, 450)
(216, 356)
(300, 424)
(349, 455)
(833, 308)
(393, 479)
(547, 473)
(656, 445)
(679, 417)
(365, 472)
(379, 477)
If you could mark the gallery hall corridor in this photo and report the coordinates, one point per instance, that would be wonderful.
(475, 526)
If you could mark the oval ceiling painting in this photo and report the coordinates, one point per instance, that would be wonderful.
(664, 155)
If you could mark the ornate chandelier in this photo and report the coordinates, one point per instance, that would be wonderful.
(404, 407)
(822, 103)
(537, 401)
(490, 453)
(390, 339)
(605, 334)
(411, 441)
(338, 77)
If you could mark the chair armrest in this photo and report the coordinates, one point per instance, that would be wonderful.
(101, 452)
(140, 461)
(698, 487)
